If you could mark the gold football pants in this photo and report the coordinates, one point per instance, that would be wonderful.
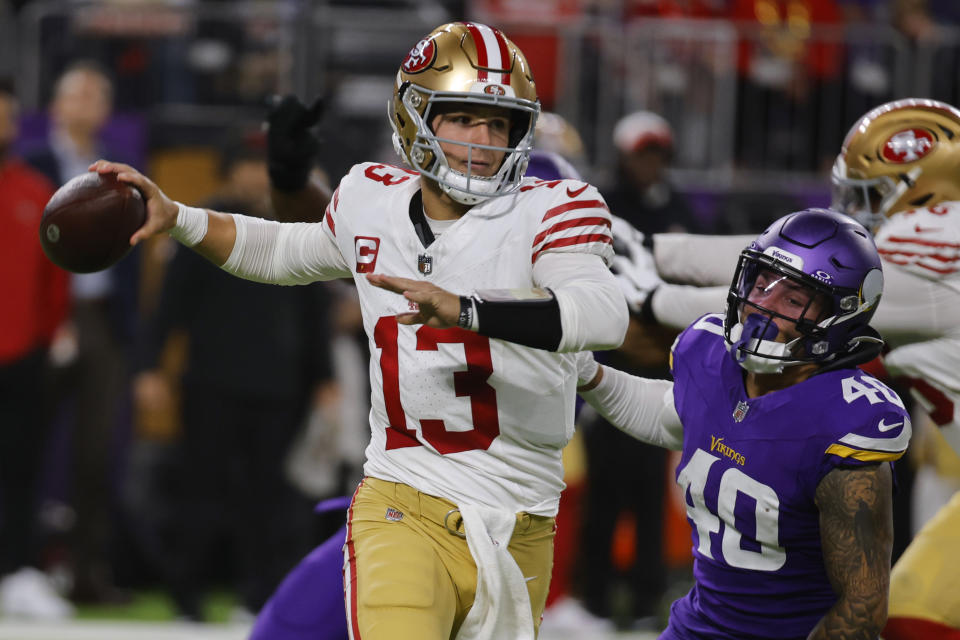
(925, 582)
(409, 576)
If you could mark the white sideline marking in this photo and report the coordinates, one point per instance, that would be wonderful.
(102, 630)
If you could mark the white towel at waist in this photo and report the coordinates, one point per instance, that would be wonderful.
(501, 607)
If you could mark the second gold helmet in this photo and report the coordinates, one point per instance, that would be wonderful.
(901, 154)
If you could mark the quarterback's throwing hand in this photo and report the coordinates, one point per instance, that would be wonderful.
(161, 210)
(437, 307)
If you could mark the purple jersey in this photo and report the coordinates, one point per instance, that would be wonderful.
(749, 472)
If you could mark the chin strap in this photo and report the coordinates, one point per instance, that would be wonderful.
(862, 348)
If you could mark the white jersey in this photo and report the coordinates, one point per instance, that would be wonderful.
(923, 248)
(453, 413)
(921, 258)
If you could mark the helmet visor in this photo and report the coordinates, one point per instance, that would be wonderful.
(791, 299)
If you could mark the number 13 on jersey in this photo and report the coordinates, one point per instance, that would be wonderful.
(471, 383)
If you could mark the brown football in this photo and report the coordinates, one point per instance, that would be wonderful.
(88, 222)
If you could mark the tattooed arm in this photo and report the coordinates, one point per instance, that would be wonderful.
(856, 532)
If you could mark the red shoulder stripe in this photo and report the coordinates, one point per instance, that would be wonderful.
(570, 206)
(932, 256)
(566, 242)
(914, 263)
(569, 224)
(925, 243)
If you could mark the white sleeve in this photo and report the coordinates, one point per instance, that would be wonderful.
(698, 259)
(593, 312)
(640, 407)
(284, 253)
(915, 307)
(937, 362)
(678, 305)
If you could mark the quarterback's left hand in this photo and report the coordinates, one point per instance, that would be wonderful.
(437, 308)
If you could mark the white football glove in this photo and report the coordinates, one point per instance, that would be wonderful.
(633, 264)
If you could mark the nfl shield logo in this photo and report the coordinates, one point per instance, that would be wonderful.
(394, 515)
(741, 411)
(425, 264)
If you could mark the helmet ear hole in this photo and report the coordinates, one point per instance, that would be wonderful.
(519, 126)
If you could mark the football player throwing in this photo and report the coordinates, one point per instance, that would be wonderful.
(472, 369)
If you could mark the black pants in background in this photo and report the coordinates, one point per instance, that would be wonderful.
(23, 436)
(232, 484)
(624, 475)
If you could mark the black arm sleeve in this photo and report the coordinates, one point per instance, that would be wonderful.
(532, 323)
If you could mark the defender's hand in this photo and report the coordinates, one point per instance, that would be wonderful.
(291, 145)
(437, 307)
(161, 210)
(633, 265)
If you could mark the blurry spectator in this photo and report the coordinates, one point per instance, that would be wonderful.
(34, 294)
(944, 11)
(95, 383)
(616, 463)
(789, 66)
(247, 388)
(927, 24)
(8, 40)
(920, 19)
(642, 194)
(676, 8)
(781, 47)
(865, 11)
(913, 19)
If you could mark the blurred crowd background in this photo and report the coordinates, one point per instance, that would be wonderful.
(188, 420)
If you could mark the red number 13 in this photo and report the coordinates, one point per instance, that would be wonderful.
(471, 383)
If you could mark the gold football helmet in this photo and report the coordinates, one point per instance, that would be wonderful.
(901, 154)
(463, 62)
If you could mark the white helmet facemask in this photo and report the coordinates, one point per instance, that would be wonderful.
(867, 201)
(465, 188)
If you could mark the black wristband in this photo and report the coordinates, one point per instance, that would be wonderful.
(465, 321)
(532, 323)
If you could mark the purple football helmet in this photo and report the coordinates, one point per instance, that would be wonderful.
(548, 165)
(816, 268)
